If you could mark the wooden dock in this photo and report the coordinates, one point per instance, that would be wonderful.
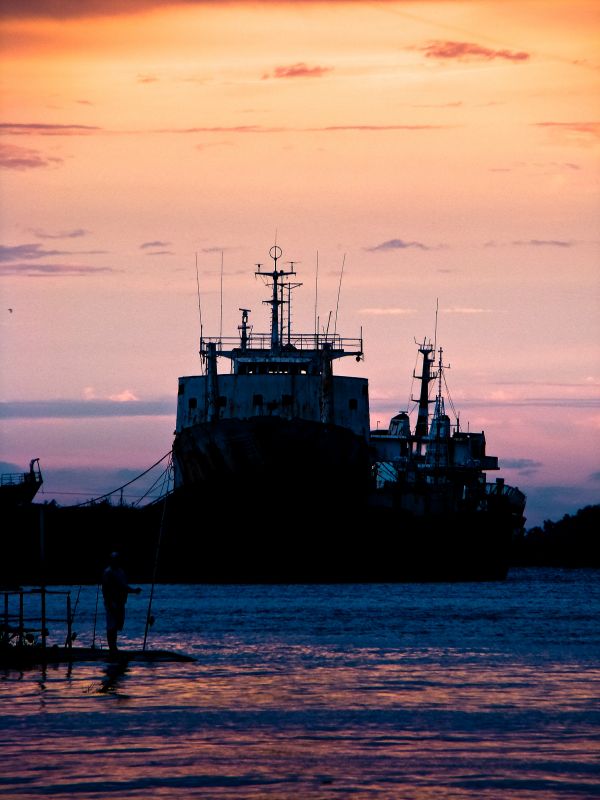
(18, 657)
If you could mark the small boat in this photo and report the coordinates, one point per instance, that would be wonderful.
(19, 488)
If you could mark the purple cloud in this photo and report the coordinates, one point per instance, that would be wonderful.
(397, 244)
(72, 234)
(521, 463)
(543, 243)
(27, 252)
(153, 245)
(23, 259)
(20, 158)
(40, 270)
(74, 409)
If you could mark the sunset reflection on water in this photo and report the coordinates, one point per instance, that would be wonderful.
(295, 714)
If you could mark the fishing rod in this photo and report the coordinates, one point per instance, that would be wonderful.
(149, 617)
(73, 635)
(95, 618)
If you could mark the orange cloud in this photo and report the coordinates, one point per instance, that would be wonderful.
(586, 128)
(65, 9)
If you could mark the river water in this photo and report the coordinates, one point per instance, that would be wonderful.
(414, 691)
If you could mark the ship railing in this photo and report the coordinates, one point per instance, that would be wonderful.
(14, 478)
(225, 345)
(512, 493)
(19, 478)
(18, 628)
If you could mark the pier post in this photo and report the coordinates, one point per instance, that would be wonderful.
(43, 577)
(4, 637)
(69, 622)
(21, 619)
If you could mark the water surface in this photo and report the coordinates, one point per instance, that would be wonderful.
(331, 691)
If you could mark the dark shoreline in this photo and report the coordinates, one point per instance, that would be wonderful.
(238, 549)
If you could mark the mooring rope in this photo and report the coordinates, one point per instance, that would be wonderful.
(120, 488)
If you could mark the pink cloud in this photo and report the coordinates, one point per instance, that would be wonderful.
(350, 127)
(299, 70)
(468, 50)
(43, 129)
(586, 128)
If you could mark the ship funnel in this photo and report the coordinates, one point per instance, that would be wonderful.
(400, 425)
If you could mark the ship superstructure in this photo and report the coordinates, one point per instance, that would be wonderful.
(437, 468)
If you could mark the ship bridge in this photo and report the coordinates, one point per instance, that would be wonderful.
(280, 373)
(302, 354)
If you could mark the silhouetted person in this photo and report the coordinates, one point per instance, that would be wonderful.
(115, 590)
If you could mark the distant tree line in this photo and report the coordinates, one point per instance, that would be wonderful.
(573, 541)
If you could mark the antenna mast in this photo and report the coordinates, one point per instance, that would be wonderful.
(338, 295)
(278, 277)
(221, 315)
(316, 296)
(198, 293)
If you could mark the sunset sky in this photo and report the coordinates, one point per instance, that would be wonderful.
(443, 152)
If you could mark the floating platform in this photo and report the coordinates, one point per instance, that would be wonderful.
(14, 656)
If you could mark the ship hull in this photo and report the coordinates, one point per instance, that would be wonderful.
(270, 462)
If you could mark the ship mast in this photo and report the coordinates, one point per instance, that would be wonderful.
(440, 408)
(277, 299)
(426, 350)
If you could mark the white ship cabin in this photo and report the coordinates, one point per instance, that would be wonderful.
(435, 443)
(276, 374)
(439, 448)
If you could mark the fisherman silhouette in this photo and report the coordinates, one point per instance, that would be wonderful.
(115, 590)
